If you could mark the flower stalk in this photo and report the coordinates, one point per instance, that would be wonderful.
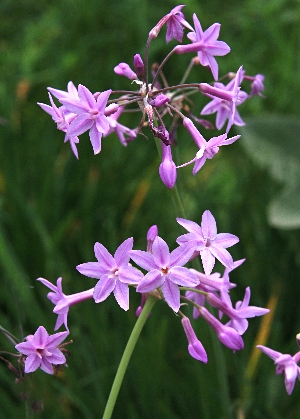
(126, 356)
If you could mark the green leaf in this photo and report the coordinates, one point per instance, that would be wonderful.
(284, 209)
(274, 143)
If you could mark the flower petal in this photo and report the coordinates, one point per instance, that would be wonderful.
(172, 294)
(122, 253)
(121, 293)
(151, 281)
(103, 288)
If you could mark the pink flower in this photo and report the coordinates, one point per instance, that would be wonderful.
(175, 22)
(165, 270)
(207, 149)
(41, 350)
(114, 273)
(225, 100)
(206, 240)
(62, 301)
(284, 363)
(90, 115)
(206, 45)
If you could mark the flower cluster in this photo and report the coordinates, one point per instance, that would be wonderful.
(159, 272)
(81, 110)
(165, 275)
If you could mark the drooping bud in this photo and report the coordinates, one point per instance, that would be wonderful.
(123, 69)
(195, 347)
(138, 65)
(167, 168)
(227, 335)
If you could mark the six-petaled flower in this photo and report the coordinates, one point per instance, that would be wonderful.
(41, 350)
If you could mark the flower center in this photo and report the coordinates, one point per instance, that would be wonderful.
(94, 113)
(208, 242)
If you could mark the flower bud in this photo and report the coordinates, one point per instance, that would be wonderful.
(167, 168)
(195, 347)
(138, 65)
(123, 69)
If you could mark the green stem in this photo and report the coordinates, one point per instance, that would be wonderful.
(126, 356)
(178, 202)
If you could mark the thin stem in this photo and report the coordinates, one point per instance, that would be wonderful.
(126, 356)
(161, 66)
(188, 70)
(9, 336)
(194, 86)
(178, 202)
(146, 62)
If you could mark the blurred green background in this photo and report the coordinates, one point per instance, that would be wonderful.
(53, 208)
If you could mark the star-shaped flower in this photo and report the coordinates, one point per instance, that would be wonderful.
(225, 100)
(62, 119)
(206, 240)
(124, 133)
(284, 363)
(238, 315)
(175, 24)
(41, 350)
(114, 273)
(165, 270)
(206, 45)
(62, 302)
(90, 115)
(207, 149)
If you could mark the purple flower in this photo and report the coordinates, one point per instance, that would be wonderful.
(206, 240)
(175, 22)
(227, 335)
(225, 100)
(62, 119)
(206, 45)
(165, 270)
(238, 316)
(124, 133)
(195, 347)
(207, 149)
(210, 283)
(41, 350)
(62, 302)
(257, 85)
(284, 363)
(167, 168)
(72, 92)
(114, 273)
(90, 115)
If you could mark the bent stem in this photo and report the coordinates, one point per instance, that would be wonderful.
(126, 356)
